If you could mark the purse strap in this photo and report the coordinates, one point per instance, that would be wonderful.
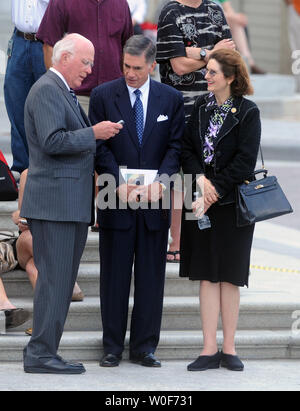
(262, 157)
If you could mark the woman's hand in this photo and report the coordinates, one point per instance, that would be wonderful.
(210, 195)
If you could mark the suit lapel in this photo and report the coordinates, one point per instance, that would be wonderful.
(153, 111)
(77, 110)
(68, 96)
(231, 121)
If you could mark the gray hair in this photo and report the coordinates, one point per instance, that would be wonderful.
(66, 44)
(138, 45)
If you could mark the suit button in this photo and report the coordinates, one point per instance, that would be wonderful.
(218, 153)
(143, 163)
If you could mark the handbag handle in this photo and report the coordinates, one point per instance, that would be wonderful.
(262, 169)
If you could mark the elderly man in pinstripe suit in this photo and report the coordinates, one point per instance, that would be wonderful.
(58, 194)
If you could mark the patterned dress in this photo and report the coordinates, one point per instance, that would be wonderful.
(216, 121)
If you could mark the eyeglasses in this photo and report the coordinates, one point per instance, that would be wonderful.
(87, 63)
(212, 73)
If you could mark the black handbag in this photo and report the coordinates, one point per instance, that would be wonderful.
(8, 185)
(261, 199)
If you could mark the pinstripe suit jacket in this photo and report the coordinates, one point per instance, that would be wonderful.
(59, 185)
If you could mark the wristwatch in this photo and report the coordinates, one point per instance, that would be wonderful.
(202, 54)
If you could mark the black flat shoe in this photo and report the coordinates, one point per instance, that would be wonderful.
(231, 362)
(145, 359)
(110, 360)
(55, 366)
(205, 362)
(15, 317)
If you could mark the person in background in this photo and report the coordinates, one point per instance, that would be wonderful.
(238, 26)
(188, 31)
(13, 316)
(294, 34)
(107, 24)
(25, 65)
(220, 150)
(138, 10)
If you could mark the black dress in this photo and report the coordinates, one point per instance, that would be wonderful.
(220, 253)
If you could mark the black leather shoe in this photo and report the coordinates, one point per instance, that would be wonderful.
(55, 366)
(205, 362)
(15, 317)
(110, 360)
(145, 359)
(231, 362)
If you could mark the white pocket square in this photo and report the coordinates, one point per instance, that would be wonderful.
(162, 118)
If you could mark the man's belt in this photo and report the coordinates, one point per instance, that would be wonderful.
(27, 36)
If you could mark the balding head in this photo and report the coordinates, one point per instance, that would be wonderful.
(73, 57)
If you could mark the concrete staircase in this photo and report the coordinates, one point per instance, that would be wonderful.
(264, 327)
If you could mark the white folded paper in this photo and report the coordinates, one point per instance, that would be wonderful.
(138, 176)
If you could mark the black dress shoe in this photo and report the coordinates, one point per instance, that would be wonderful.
(110, 360)
(15, 317)
(145, 359)
(205, 362)
(231, 362)
(55, 365)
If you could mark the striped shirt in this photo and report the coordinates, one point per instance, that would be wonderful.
(181, 26)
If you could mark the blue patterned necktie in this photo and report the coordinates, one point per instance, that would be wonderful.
(74, 96)
(139, 115)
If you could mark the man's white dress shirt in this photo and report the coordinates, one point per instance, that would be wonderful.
(144, 96)
(27, 15)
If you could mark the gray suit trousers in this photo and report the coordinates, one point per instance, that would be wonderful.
(57, 247)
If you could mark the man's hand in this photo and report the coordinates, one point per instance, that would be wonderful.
(224, 44)
(151, 193)
(16, 219)
(140, 193)
(194, 52)
(106, 129)
(127, 192)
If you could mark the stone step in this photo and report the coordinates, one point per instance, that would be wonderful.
(174, 345)
(273, 85)
(258, 310)
(17, 284)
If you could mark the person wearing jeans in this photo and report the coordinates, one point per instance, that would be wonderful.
(24, 66)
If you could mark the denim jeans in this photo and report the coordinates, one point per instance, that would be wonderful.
(24, 66)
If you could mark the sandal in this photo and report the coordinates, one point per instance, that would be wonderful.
(173, 253)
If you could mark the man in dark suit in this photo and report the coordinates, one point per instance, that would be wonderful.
(151, 139)
(58, 195)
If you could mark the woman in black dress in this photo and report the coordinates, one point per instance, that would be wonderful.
(220, 151)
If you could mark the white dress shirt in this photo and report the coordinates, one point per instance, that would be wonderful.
(144, 96)
(27, 15)
(138, 10)
(60, 76)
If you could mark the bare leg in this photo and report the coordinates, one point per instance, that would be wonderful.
(25, 258)
(230, 303)
(177, 202)
(209, 311)
(5, 304)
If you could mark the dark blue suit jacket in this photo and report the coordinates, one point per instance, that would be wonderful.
(160, 149)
